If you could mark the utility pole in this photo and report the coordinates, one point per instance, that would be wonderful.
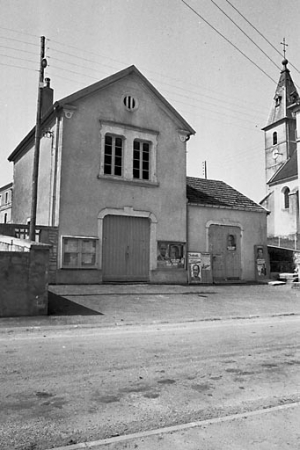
(204, 167)
(36, 157)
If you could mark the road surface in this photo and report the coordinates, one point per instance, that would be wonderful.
(65, 386)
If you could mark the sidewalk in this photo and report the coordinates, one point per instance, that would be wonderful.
(121, 305)
(273, 428)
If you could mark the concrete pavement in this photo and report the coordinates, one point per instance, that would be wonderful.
(125, 305)
(121, 305)
(272, 428)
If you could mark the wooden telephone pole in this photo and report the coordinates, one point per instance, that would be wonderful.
(36, 157)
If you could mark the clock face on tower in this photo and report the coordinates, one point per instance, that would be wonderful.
(275, 153)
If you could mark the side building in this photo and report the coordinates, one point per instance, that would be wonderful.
(6, 196)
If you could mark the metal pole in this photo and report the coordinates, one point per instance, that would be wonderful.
(37, 139)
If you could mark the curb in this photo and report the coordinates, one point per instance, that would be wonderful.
(120, 325)
(175, 428)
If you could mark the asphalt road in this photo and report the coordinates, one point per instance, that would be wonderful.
(61, 387)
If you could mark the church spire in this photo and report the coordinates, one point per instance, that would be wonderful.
(285, 95)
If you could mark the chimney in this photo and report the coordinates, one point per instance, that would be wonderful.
(47, 97)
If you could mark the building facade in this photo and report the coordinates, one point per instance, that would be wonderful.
(112, 181)
(6, 196)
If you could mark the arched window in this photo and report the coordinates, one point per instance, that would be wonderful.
(286, 198)
(275, 138)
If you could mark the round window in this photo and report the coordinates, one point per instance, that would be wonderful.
(130, 102)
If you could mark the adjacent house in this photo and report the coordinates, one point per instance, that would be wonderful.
(112, 183)
(228, 226)
(6, 193)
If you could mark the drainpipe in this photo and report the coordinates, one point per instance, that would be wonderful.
(187, 237)
(55, 171)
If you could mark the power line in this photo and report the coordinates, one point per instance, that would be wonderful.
(18, 40)
(19, 32)
(18, 67)
(172, 93)
(248, 21)
(159, 81)
(256, 45)
(17, 49)
(19, 59)
(125, 63)
(227, 40)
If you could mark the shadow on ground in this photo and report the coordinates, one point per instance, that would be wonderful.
(61, 306)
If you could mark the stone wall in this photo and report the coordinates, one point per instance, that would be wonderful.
(24, 282)
(45, 235)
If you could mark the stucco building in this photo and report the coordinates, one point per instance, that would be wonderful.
(6, 195)
(281, 166)
(112, 182)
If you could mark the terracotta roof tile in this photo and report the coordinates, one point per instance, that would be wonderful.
(218, 194)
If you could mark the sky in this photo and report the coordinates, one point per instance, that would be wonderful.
(216, 61)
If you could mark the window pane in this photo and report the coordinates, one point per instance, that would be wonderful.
(88, 245)
(145, 175)
(70, 245)
(108, 140)
(118, 171)
(71, 259)
(107, 169)
(136, 173)
(88, 259)
(136, 145)
(118, 142)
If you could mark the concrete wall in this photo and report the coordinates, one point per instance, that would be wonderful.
(253, 230)
(24, 282)
(47, 235)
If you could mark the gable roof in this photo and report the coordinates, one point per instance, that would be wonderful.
(67, 101)
(116, 77)
(287, 171)
(217, 194)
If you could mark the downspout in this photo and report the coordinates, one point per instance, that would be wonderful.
(187, 238)
(55, 170)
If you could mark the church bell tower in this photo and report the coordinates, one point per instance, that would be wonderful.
(280, 131)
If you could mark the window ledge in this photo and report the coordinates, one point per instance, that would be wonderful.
(144, 183)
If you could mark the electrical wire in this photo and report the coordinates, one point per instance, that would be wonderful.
(158, 81)
(18, 67)
(18, 40)
(186, 82)
(18, 32)
(228, 40)
(261, 34)
(18, 58)
(17, 49)
(256, 45)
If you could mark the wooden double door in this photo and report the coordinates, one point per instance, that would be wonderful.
(126, 248)
(225, 246)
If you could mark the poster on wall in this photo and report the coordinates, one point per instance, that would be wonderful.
(297, 262)
(261, 262)
(199, 267)
(170, 255)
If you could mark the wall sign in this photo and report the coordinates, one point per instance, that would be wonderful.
(199, 266)
(170, 255)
